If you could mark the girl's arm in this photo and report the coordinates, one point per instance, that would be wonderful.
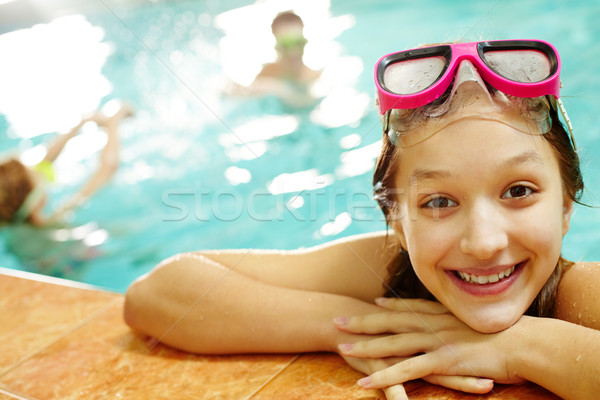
(247, 301)
(578, 298)
(562, 357)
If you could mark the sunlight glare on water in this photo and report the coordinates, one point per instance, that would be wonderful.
(53, 73)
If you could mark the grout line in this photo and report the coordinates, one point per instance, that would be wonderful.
(62, 335)
(32, 276)
(14, 395)
(275, 376)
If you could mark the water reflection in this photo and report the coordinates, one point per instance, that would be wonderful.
(299, 181)
(53, 72)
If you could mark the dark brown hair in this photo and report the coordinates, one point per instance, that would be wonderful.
(402, 279)
(286, 17)
(15, 185)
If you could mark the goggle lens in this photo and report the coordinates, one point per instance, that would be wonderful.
(413, 76)
(524, 66)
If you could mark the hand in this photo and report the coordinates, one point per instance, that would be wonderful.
(438, 347)
(369, 366)
(463, 383)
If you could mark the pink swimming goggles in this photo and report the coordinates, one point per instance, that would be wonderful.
(414, 78)
(521, 68)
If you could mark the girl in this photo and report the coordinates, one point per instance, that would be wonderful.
(477, 178)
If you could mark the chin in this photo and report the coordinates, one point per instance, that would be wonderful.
(488, 324)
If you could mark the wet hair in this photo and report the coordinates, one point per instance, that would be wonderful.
(15, 185)
(402, 280)
(286, 17)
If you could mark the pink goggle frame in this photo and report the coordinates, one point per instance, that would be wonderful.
(402, 83)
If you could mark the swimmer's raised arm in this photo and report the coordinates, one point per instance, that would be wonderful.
(108, 159)
(55, 148)
(249, 301)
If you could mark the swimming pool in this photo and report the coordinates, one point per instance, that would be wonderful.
(201, 170)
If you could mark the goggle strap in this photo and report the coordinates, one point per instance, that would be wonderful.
(387, 129)
(567, 120)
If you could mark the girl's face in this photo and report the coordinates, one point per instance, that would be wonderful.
(482, 215)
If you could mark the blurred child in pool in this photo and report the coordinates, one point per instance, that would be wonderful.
(478, 178)
(287, 77)
(50, 244)
(23, 191)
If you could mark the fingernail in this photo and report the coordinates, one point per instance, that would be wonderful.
(341, 321)
(345, 347)
(485, 382)
(364, 382)
(381, 301)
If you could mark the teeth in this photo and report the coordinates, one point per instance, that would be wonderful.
(483, 279)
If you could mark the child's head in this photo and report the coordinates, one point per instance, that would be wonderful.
(15, 186)
(480, 206)
(287, 27)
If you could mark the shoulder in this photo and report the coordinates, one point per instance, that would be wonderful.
(311, 75)
(355, 265)
(578, 295)
(373, 243)
(271, 70)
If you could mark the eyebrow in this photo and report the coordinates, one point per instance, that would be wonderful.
(424, 173)
(528, 157)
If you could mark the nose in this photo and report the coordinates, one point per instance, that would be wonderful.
(485, 232)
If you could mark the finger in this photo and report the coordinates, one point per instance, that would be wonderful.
(469, 384)
(411, 305)
(391, 346)
(410, 369)
(373, 324)
(394, 322)
(396, 392)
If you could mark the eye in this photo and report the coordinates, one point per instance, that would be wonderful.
(440, 202)
(518, 191)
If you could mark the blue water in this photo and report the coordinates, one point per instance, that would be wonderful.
(174, 191)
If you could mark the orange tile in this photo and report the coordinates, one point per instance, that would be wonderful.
(421, 390)
(104, 357)
(319, 376)
(327, 376)
(8, 395)
(60, 342)
(35, 313)
(4, 396)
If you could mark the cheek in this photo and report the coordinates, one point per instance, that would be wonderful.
(545, 232)
(428, 243)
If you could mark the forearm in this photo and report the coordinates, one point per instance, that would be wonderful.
(59, 143)
(107, 166)
(560, 356)
(197, 305)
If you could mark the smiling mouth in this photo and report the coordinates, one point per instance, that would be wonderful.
(486, 279)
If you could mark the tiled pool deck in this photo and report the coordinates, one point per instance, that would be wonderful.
(62, 340)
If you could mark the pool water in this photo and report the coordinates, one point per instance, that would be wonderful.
(201, 170)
